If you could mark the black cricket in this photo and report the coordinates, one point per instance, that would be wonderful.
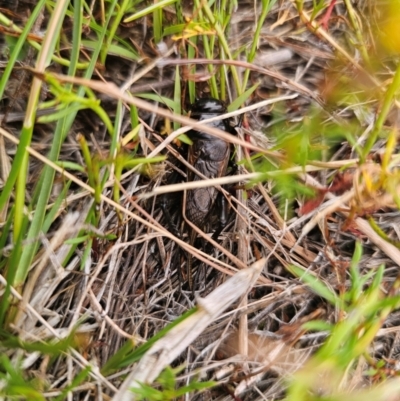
(210, 156)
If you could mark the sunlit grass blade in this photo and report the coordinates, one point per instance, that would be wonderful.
(266, 6)
(149, 10)
(62, 128)
(316, 285)
(18, 46)
(242, 99)
(117, 18)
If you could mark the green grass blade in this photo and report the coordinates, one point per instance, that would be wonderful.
(20, 43)
(113, 29)
(149, 10)
(316, 285)
(61, 131)
(266, 6)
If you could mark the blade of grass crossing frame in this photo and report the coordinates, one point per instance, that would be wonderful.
(150, 9)
(113, 29)
(157, 23)
(242, 98)
(208, 49)
(61, 131)
(266, 6)
(43, 61)
(9, 185)
(222, 40)
(18, 47)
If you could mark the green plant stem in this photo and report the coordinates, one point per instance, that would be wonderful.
(356, 27)
(266, 6)
(157, 23)
(209, 55)
(113, 28)
(223, 42)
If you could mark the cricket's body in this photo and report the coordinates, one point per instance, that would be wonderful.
(210, 156)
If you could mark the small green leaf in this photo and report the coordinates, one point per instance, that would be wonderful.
(149, 10)
(316, 285)
(242, 99)
(143, 160)
(317, 325)
(66, 165)
(185, 139)
(157, 98)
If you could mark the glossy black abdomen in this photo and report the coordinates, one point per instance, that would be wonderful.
(209, 155)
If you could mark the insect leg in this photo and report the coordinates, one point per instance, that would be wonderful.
(189, 270)
(165, 204)
(223, 216)
(167, 201)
